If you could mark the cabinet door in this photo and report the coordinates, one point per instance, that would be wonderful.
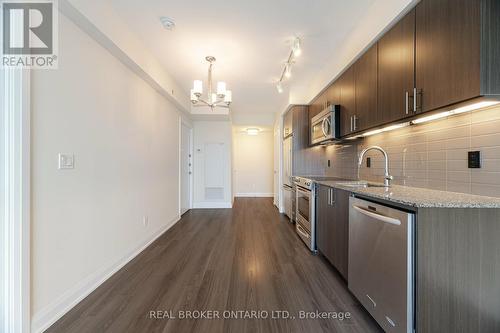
(396, 71)
(347, 101)
(333, 94)
(340, 230)
(365, 73)
(322, 227)
(332, 223)
(318, 104)
(447, 52)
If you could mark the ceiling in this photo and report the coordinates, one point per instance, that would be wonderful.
(250, 39)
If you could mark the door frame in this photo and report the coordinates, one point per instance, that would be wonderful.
(15, 204)
(183, 122)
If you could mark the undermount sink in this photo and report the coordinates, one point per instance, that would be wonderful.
(361, 183)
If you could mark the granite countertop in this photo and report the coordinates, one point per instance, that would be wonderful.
(418, 197)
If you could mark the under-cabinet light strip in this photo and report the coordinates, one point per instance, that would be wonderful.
(440, 115)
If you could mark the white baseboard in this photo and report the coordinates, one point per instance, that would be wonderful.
(214, 204)
(254, 195)
(47, 316)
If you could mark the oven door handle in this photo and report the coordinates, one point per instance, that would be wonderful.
(306, 192)
(302, 231)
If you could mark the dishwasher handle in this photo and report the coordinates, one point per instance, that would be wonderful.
(377, 216)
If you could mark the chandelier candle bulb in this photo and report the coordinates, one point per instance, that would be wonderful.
(228, 98)
(194, 98)
(221, 89)
(198, 87)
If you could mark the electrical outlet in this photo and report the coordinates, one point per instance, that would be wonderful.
(328, 163)
(145, 221)
(65, 161)
(368, 162)
(474, 159)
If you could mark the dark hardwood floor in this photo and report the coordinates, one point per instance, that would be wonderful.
(245, 258)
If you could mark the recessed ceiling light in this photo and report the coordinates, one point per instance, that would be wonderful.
(253, 131)
(167, 23)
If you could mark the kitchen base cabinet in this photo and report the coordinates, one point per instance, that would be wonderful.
(458, 270)
(332, 226)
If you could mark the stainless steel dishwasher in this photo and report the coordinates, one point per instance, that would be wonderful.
(381, 262)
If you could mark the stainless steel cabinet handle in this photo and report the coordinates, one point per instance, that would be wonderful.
(333, 198)
(415, 92)
(407, 102)
(329, 197)
(355, 120)
(351, 123)
(377, 216)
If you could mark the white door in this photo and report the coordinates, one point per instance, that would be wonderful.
(186, 168)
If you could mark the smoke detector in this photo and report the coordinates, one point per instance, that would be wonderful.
(167, 23)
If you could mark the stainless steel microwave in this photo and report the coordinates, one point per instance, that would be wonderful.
(325, 127)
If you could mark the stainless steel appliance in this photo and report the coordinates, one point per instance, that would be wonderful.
(305, 211)
(381, 264)
(325, 126)
(287, 178)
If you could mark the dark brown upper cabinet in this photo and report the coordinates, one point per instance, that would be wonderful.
(442, 53)
(396, 71)
(365, 82)
(317, 105)
(346, 84)
(457, 51)
(330, 96)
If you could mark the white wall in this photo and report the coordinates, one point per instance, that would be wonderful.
(253, 163)
(100, 19)
(211, 132)
(125, 138)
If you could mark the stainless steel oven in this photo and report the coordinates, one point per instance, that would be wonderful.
(305, 211)
(325, 126)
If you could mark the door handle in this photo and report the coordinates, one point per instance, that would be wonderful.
(377, 216)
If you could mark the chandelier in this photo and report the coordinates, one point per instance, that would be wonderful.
(221, 98)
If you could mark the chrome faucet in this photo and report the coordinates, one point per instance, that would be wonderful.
(387, 177)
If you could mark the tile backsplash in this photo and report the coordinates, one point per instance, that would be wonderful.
(431, 155)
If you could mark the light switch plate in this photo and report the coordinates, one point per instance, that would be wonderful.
(66, 161)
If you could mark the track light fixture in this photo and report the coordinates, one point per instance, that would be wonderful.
(286, 72)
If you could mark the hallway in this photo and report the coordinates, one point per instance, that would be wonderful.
(245, 258)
